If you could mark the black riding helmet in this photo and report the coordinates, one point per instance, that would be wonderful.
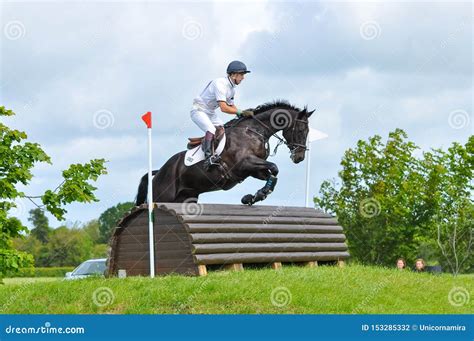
(237, 67)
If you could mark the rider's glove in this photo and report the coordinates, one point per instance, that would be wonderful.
(247, 113)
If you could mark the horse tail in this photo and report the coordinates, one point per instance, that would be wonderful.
(143, 189)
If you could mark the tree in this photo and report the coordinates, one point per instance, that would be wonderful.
(452, 219)
(381, 201)
(17, 158)
(391, 203)
(66, 247)
(41, 225)
(91, 228)
(109, 218)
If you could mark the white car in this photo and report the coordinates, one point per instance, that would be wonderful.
(91, 267)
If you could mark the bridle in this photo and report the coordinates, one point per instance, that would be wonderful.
(292, 146)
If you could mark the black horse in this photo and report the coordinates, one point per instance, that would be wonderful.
(245, 153)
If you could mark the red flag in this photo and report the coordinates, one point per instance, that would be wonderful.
(147, 119)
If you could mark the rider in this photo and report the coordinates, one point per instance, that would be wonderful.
(218, 93)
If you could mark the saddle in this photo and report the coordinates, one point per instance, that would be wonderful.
(196, 141)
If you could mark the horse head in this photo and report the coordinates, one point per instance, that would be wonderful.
(293, 122)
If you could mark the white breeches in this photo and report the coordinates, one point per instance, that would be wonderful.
(206, 122)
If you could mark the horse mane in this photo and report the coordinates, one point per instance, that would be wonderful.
(278, 103)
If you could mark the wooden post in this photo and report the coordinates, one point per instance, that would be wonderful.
(202, 270)
(311, 264)
(235, 267)
(340, 263)
(276, 265)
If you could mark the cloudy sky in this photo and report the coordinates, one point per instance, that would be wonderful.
(79, 75)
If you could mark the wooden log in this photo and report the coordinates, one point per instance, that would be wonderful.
(218, 219)
(266, 247)
(229, 258)
(265, 237)
(243, 210)
(259, 228)
(143, 238)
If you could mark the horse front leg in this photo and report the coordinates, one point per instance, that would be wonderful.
(263, 170)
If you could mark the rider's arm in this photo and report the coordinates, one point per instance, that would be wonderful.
(228, 109)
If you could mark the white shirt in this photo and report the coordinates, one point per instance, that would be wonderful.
(220, 89)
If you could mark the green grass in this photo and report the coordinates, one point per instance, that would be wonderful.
(27, 280)
(324, 290)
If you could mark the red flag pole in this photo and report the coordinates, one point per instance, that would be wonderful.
(147, 119)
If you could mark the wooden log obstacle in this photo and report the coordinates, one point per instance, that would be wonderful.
(190, 238)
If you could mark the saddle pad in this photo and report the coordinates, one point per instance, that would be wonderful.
(197, 154)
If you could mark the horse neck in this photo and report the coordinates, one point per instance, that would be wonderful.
(264, 124)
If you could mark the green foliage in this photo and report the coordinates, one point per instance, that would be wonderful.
(389, 201)
(17, 159)
(66, 247)
(12, 260)
(40, 222)
(109, 218)
(378, 200)
(75, 187)
(41, 272)
(100, 251)
(452, 218)
(91, 228)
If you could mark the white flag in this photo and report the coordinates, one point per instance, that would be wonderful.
(315, 134)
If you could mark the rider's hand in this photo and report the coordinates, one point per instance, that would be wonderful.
(247, 113)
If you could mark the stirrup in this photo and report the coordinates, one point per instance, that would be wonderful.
(213, 160)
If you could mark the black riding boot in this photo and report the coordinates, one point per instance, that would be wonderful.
(207, 148)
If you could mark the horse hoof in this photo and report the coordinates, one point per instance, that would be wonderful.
(247, 199)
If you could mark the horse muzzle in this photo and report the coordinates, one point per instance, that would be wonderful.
(297, 157)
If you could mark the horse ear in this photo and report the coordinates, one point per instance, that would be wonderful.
(309, 113)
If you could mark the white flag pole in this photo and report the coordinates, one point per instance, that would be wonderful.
(308, 170)
(147, 119)
(150, 210)
(313, 135)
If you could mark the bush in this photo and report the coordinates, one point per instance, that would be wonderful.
(41, 272)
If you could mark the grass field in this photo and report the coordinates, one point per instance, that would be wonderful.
(292, 290)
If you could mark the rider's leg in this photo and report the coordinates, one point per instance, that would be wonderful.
(207, 144)
(204, 122)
